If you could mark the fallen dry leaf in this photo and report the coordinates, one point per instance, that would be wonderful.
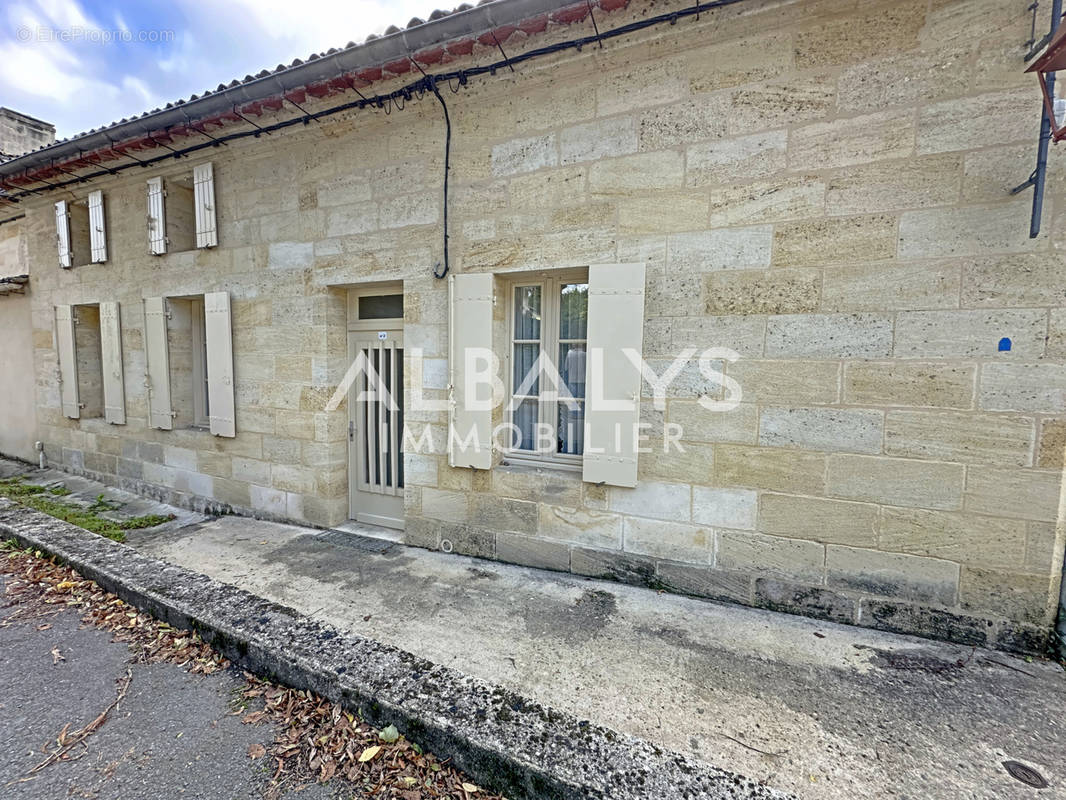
(57, 656)
(307, 729)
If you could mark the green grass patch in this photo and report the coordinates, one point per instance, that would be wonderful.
(44, 499)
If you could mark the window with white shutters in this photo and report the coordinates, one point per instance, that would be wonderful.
(190, 362)
(181, 211)
(75, 242)
(86, 341)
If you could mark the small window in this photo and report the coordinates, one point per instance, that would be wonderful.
(80, 244)
(187, 343)
(90, 375)
(180, 214)
(181, 211)
(548, 324)
(381, 306)
(73, 240)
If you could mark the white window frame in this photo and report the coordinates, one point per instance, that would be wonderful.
(198, 334)
(356, 322)
(550, 284)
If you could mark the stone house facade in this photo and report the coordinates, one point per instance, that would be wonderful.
(818, 186)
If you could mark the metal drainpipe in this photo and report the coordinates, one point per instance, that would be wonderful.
(1040, 175)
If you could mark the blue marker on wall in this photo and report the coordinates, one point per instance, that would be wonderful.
(1004, 344)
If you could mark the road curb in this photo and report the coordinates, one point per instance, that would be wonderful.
(508, 743)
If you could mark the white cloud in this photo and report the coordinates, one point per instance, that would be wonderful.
(65, 14)
(52, 73)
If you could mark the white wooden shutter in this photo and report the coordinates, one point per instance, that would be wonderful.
(111, 356)
(470, 327)
(63, 234)
(68, 362)
(203, 179)
(157, 354)
(615, 324)
(219, 363)
(97, 234)
(157, 221)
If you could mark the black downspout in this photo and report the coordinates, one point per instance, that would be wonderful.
(1039, 176)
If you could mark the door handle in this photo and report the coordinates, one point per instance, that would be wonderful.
(351, 430)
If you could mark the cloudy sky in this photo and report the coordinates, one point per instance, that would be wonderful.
(80, 64)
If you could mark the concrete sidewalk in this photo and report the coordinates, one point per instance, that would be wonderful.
(823, 710)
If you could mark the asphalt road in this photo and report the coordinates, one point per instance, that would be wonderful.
(170, 737)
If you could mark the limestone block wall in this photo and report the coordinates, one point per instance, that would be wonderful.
(820, 186)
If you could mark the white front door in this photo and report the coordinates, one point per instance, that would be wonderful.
(375, 427)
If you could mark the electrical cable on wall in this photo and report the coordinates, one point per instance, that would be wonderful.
(447, 167)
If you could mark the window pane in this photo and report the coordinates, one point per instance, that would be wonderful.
(381, 306)
(571, 432)
(526, 369)
(525, 420)
(573, 311)
(572, 369)
(527, 312)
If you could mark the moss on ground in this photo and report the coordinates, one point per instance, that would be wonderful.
(46, 499)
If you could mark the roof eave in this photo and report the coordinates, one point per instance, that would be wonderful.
(371, 53)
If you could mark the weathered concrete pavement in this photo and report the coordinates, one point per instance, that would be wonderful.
(509, 742)
(822, 710)
(848, 712)
(172, 736)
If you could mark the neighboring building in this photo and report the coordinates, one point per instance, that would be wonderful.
(18, 418)
(18, 423)
(20, 133)
(819, 186)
